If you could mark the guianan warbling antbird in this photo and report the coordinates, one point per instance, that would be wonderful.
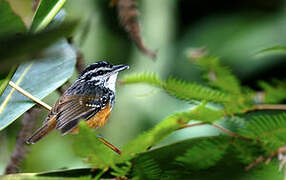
(91, 98)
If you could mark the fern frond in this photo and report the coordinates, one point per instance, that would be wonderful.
(164, 129)
(146, 168)
(273, 94)
(246, 151)
(205, 153)
(88, 146)
(190, 91)
(269, 129)
(153, 136)
(148, 78)
(218, 75)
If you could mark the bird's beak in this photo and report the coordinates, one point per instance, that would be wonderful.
(120, 67)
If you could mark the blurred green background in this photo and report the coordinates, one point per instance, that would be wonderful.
(234, 31)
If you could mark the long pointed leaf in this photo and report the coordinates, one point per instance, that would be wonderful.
(40, 78)
(45, 14)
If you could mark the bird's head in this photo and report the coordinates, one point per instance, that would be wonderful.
(102, 73)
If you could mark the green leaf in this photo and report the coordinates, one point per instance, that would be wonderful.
(10, 23)
(280, 49)
(21, 47)
(180, 89)
(45, 14)
(218, 75)
(268, 129)
(205, 153)
(275, 93)
(88, 146)
(156, 134)
(192, 91)
(4, 83)
(78, 174)
(247, 151)
(146, 168)
(39, 78)
(148, 78)
(228, 167)
(206, 114)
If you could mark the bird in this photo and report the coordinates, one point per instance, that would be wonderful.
(91, 97)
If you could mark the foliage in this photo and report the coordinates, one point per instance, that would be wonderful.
(59, 59)
(221, 101)
(205, 153)
(269, 129)
(273, 93)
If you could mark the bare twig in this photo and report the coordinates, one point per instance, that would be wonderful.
(259, 160)
(80, 62)
(108, 144)
(33, 98)
(216, 126)
(269, 107)
(267, 160)
(35, 5)
(229, 132)
(20, 150)
(128, 14)
(63, 88)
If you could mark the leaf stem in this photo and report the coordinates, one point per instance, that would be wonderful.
(192, 125)
(229, 132)
(216, 126)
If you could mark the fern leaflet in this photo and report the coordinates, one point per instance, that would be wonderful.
(146, 168)
(218, 75)
(273, 94)
(190, 91)
(148, 78)
(270, 129)
(205, 153)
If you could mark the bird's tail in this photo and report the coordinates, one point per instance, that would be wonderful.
(42, 131)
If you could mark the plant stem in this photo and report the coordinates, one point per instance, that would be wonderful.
(269, 107)
(20, 150)
(30, 96)
(192, 125)
(108, 144)
(216, 126)
(229, 132)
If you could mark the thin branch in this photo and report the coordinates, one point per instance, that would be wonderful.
(259, 160)
(216, 126)
(229, 132)
(108, 144)
(30, 96)
(20, 150)
(192, 125)
(80, 62)
(269, 107)
(63, 88)
(267, 160)
(128, 16)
